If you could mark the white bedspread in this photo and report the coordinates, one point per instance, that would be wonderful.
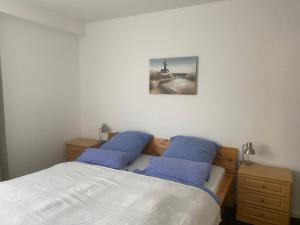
(79, 194)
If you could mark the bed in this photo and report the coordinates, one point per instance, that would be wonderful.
(226, 158)
(74, 193)
(217, 173)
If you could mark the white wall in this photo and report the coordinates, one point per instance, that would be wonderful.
(40, 71)
(25, 10)
(3, 152)
(248, 82)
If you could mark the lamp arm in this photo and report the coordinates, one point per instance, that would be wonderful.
(243, 152)
(243, 159)
(100, 135)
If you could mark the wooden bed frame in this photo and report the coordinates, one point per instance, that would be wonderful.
(226, 158)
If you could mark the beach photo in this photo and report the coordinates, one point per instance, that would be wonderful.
(177, 76)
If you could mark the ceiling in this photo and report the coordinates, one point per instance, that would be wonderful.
(95, 10)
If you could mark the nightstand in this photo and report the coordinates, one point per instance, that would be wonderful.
(76, 147)
(264, 195)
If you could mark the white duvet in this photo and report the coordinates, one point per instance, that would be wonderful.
(80, 194)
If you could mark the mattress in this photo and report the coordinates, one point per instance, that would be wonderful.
(217, 173)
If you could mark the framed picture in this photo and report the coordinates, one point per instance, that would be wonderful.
(173, 76)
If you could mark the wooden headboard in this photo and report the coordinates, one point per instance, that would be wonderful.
(226, 157)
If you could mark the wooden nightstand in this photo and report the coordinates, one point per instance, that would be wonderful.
(264, 195)
(76, 147)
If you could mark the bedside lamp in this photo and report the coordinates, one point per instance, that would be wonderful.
(102, 130)
(247, 150)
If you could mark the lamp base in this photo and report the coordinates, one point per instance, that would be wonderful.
(247, 162)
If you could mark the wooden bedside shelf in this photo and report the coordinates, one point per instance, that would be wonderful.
(77, 146)
(264, 195)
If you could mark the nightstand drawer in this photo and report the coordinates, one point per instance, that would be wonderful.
(257, 215)
(265, 185)
(263, 200)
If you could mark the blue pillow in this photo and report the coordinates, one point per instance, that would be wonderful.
(179, 170)
(129, 141)
(192, 148)
(107, 158)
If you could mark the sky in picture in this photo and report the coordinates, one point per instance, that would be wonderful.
(175, 65)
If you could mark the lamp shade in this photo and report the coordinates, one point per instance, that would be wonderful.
(104, 128)
(248, 149)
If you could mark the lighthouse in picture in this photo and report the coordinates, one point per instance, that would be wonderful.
(165, 72)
